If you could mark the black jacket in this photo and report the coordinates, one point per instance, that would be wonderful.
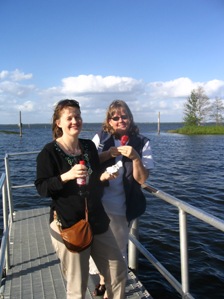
(70, 206)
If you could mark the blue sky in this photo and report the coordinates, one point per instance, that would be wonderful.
(151, 54)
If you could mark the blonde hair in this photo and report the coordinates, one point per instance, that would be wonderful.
(114, 107)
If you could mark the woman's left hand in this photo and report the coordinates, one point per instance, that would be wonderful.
(128, 151)
(140, 173)
(108, 176)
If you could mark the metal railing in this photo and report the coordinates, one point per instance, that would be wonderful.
(8, 212)
(7, 223)
(134, 245)
(184, 209)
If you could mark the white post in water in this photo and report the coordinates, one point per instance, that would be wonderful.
(158, 123)
(20, 124)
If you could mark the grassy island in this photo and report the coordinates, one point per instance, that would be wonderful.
(199, 130)
(8, 132)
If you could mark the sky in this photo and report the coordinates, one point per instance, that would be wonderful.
(151, 54)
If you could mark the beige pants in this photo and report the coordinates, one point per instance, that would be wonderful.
(75, 266)
(119, 227)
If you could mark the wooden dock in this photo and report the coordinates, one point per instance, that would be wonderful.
(35, 270)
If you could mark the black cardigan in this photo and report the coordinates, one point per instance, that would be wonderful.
(70, 206)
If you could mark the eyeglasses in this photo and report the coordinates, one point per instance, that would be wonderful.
(116, 118)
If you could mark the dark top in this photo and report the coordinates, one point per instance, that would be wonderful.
(69, 205)
(135, 199)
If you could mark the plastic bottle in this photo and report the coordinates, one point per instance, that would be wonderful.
(81, 182)
(124, 139)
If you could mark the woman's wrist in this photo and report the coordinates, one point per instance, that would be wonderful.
(103, 177)
(63, 178)
(137, 159)
(109, 154)
(104, 156)
(60, 179)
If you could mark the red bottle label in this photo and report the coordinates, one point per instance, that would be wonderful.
(81, 181)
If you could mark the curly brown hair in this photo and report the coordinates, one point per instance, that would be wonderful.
(56, 131)
(113, 108)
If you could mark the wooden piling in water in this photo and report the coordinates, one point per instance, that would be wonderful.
(158, 123)
(20, 124)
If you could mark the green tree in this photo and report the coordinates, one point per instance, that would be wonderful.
(196, 108)
(190, 111)
(217, 111)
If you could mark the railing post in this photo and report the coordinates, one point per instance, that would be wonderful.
(132, 250)
(10, 201)
(184, 251)
(6, 224)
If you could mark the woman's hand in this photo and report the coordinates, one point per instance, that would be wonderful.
(128, 151)
(111, 153)
(140, 173)
(108, 176)
(77, 171)
(114, 152)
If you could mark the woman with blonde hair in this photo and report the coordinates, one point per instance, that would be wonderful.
(120, 143)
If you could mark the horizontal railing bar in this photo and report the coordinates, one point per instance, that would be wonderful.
(156, 263)
(22, 186)
(194, 211)
(22, 153)
(165, 273)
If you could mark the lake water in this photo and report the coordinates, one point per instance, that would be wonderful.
(190, 168)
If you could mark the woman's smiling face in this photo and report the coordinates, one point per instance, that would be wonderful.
(70, 121)
(120, 122)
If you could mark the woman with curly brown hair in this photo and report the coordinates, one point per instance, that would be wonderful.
(58, 169)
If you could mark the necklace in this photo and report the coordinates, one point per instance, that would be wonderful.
(72, 160)
(73, 152)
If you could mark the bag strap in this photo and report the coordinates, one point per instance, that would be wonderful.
(86, 209)
(59, 222)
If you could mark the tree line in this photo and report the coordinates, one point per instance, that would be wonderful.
(199, 109)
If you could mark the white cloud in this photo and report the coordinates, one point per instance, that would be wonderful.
(95, 93)
(19, 76)
(214, 88)
(11, 88)
(180, 87)
(26, 106)
(97, 84)
(3, 74)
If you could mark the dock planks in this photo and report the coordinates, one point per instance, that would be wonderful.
(35, 270)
